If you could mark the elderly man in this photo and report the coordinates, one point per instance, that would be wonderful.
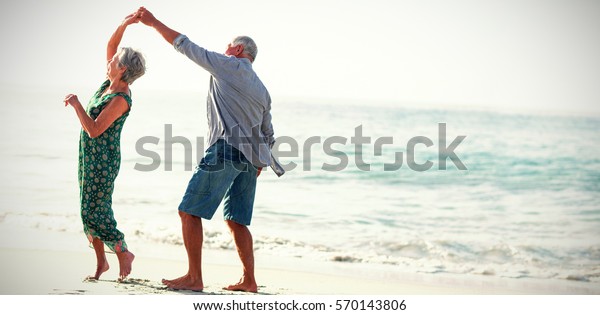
(240, 140)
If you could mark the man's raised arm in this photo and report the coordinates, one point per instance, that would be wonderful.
(148, 18)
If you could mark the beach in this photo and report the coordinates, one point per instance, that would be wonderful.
(487, 239)
(491, 229)
(446, 158)
(60, 269)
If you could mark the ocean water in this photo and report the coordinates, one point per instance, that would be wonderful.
(526, 206)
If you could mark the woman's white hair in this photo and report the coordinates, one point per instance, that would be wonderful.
(249, 45)
(134, 62)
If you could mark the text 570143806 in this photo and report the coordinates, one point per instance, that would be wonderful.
(370, 305)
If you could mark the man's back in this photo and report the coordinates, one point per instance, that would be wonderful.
(238, 104)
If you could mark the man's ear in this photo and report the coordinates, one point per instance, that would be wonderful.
(239, 49)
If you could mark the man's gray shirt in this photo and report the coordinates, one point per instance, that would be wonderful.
(238, 104)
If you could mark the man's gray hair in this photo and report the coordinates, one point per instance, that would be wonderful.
(134, 62)
(249, 45)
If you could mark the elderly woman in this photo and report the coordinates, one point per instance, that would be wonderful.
(99, 150)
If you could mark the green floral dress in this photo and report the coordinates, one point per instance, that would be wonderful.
(99, 162)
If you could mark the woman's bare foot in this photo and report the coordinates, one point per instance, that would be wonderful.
(186, 282)
(125, 261)
(246, 285)
(100, 269)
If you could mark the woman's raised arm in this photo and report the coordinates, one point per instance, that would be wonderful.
(115, 39)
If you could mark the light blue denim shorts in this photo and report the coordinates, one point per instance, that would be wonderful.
(223, 173)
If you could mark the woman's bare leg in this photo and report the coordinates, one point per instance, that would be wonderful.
(101, 262)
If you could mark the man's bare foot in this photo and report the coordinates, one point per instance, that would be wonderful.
(243, 285)
(100, 269)
(186, 282)
(125, 261)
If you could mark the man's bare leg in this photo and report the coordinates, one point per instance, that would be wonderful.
(244, 244)
(101, 262)
(193, 237)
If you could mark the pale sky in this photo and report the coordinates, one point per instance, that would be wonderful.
(533, 55)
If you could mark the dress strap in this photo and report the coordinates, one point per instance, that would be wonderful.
(125, 96)
(102, 88)
(107, 97)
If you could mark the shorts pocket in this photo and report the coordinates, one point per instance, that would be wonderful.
(200, 182)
